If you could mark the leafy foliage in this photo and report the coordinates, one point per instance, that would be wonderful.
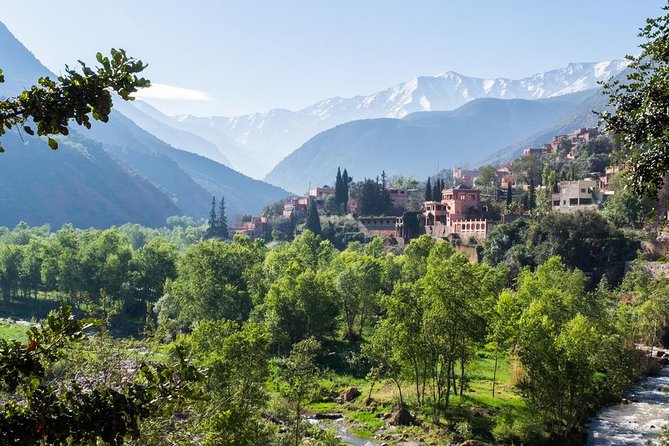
(77, 96)
(638, 109)
(44, 413)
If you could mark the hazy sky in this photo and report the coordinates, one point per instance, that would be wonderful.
(216, 57)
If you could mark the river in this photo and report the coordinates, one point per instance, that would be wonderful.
(639, 420)
(342, 432)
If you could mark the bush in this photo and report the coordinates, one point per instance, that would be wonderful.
(524, 430)
(464, 430)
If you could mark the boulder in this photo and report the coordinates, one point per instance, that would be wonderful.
(328, 416)
(350, 394)
(402, 417)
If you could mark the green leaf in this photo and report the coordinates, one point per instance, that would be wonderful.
(53, 143)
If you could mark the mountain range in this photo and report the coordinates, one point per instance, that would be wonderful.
(152, 166)
(115, 173)
(266, 138)
(420, 142)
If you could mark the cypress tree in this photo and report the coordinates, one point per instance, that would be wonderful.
(213, 221)
(509, 194)
(222, 221)
(313, 222)
(428, 190)
(345, 181)
(436, 192)
(339, 188)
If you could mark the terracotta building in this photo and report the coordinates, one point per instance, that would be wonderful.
(574, 138)
(398, 197)
(295, 205)
(456, 214)
(255, 227)
(385, 227)
(321, 193)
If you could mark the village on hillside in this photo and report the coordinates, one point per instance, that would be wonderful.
(569, 173)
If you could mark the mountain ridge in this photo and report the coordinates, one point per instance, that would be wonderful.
(272, 135)
(123, 154)
(419, 142)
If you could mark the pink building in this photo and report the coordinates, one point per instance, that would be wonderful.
(455, 214)
(321, 193)
(461, 200)
(295, 205)
(464, 176)
(256, 227)
(398, 197)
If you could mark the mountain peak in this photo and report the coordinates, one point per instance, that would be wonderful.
(270, 136)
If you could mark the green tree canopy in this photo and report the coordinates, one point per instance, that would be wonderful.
(638, 106)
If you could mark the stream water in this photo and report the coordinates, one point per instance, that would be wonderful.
(343, 433)
(637, 421)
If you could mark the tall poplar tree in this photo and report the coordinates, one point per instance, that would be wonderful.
(222, 230)
(341, 193)
(213, 221)
(346, 181)
(436, 190)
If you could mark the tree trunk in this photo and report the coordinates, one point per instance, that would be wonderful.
(494, 373)
(448, 381)
(399, 389)
(417, 376)
(297, 424)
(462, 376)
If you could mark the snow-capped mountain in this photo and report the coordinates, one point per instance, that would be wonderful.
(270, 136)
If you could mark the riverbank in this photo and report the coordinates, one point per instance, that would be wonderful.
(475, 415)
(640, 416)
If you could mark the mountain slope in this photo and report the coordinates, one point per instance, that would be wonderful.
(79, 184)
(154, 122)
(270, 136)
(165, 178)
(191, 179)
(20, 67)
(418, 143)
(581, 116)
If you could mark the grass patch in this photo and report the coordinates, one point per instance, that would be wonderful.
(13, 330)
(476, 406)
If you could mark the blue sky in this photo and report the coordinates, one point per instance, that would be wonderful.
(235, 57)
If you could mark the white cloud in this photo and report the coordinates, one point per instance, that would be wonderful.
(162, 91)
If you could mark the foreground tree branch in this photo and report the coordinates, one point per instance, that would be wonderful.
(48, 107)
